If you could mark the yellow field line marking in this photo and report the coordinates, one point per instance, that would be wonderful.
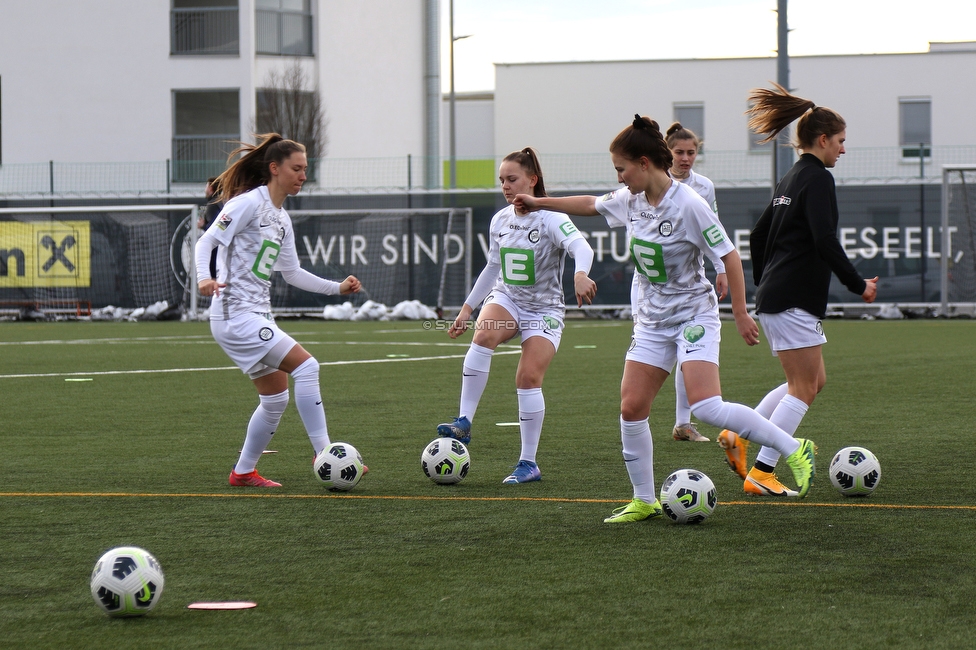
(265, 495)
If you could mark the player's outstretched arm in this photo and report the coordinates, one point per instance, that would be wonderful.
(350, 285)
(582, 205)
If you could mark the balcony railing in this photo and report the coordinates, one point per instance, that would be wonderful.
(196, 158)
(213, 30)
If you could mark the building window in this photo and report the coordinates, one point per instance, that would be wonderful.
(692, 116)
(206, 128)
(284, 27)
(204, 27)
(915, 126)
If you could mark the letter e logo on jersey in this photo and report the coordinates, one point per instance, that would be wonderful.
(649, 259)
(518, 266)
(264, 262)
(567, 228)
(713, 235)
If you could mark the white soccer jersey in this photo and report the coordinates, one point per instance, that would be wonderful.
(666, 244)
(256, 238)
(531, 250)
(705, 189)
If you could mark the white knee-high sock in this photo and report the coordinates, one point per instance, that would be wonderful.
(787, 416)
(744, 421)
(532, 411)
(263, 424)
(639, 458)
(308, 399)
(772, 399)
(474, 378)
(682, 410)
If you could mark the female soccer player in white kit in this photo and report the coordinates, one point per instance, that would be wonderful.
(522, 288)
(675, 309)
(254, 237)
(794, 250)
(684, 146)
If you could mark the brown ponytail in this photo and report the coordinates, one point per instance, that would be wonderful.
(643, 138)
(529, 161)
(773, 110)
(252, 169)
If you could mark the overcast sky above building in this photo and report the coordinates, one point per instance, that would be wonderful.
(519, 31)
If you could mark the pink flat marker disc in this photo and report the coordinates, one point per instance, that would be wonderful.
(226, 604)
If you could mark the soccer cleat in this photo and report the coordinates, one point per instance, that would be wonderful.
(765, 484)
(636, 510)
(736, 451)
(688, 432)
(525, 472)
(251, 479)
(459, 429)
(804, 465)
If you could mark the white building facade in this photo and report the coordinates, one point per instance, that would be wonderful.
(891, 102)
(116, 81)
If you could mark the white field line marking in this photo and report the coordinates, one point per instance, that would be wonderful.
(353, 362)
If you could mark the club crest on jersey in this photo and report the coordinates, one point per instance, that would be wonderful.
(266, 333)
(534, 236)
(666, 228)
(782, 200)
(223, 221)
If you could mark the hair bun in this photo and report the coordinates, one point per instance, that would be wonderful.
(639, 122)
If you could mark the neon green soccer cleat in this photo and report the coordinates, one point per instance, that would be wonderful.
(636, 510)
(804, 465)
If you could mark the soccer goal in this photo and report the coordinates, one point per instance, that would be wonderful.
(398, 254)
(958, 266)
(68, 260)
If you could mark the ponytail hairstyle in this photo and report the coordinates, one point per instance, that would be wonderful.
(252, 169)
(528, 160)
(677, 132)
(643, 138)
(774, 110)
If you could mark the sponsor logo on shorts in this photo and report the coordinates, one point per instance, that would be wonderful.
(820, 328)
(693, 333)
(666, 228)
(266, 334)
(633, 344)
(551, 323)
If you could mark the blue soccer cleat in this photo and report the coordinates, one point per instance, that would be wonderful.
(525, 472)
(459, 429)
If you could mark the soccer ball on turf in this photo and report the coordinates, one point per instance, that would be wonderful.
(688, 496)
(445, 461)
(127, 581)
(855, 471)
(339, 466)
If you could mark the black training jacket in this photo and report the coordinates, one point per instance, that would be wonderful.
(794, 244)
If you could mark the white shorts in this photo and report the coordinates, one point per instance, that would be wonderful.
(547, 324)
(698, 339)
(254, 342)
(792, 329)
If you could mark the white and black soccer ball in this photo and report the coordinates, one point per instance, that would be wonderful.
(339, 466)
(127, 581)
(688, 496)
(855, 471)
(445, 461)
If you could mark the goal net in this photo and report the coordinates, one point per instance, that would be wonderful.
(958, 267)
(398, 255)
(69, 260)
